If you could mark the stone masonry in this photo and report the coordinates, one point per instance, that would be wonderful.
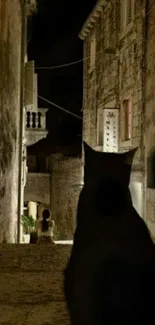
(65, 188)
(38, 188)
(149, 118)
(10, 58)
(119, 73)
(31, 286)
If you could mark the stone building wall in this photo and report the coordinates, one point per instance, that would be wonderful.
(65, 189)
(118, 74)
(37, 188)
(149, 130)
(10, 58)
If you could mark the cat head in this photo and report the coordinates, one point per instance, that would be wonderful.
(106, 166)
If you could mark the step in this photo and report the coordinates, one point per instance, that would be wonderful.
(34, 257)
(31, 284)
(51, 313)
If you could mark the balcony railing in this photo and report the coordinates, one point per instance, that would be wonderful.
(35, 120)
(35, 126)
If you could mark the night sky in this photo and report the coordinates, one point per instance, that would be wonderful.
(53, 40)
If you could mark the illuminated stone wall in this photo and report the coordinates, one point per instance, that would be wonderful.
(10, 58)
(149, 118)
(118, 74)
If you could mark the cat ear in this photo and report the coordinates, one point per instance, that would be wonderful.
(88, 153)
(129, 155)
(87, 149)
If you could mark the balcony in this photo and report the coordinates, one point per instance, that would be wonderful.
(35, 126)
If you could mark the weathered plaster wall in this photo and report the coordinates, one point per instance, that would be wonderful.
(149, 130)
(37, 188)
(10, 52)
(65, 189)
(31, 286)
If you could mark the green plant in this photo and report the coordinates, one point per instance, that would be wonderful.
(28, 223)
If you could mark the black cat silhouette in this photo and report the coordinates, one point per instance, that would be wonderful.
(110, 275)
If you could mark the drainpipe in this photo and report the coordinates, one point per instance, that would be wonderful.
(23, 46)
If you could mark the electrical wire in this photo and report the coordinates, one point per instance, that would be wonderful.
(55, 105)
(69, 64)
(64, 65)
(61, 65)
(80, 60)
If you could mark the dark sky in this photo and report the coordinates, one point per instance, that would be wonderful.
(54, 41)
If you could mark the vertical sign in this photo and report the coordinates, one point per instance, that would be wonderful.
(111, 130)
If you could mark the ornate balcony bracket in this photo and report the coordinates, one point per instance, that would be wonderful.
(33, 136)
(30, 7)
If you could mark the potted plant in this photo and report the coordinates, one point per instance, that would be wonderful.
(29, 224)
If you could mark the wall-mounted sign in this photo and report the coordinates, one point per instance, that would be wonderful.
(111, 129)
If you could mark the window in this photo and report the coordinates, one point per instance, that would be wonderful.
(127, 11)
(110, 29)
(100, 129)
(92, 52)
(126, 120)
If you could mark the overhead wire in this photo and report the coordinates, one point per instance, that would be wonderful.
(80, 60)
(63, 65)
(69, 64)
(55, 105)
